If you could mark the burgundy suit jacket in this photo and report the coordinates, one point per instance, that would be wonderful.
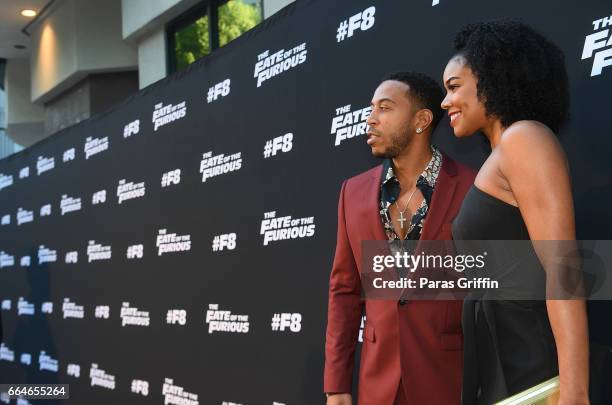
(420, 342)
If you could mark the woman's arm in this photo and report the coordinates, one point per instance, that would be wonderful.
(534, 164)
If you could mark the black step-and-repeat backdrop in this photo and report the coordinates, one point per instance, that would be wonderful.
(177, 249)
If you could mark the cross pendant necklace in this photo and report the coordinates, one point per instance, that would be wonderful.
(402, 218)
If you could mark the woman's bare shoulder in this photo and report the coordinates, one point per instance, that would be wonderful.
(530, 139)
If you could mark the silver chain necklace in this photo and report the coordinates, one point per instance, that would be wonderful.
(403, 219)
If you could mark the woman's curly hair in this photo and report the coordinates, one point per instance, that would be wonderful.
(521, 75)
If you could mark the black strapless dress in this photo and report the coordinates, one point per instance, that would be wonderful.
(508, 344)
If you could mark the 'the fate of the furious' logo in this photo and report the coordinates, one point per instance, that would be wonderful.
(599, 45)
(348, 124)
(268, 66)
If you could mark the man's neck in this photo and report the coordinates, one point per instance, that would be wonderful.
(409, 164)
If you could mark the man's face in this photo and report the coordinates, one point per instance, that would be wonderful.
(389, 124)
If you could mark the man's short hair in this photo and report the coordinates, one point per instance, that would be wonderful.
(424, 92)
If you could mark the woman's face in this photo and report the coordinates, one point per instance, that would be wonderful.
(466, 112)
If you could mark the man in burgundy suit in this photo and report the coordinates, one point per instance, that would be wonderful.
(412, 349)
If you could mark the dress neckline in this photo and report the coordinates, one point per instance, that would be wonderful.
(494, 199)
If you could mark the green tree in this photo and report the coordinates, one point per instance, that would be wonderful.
(193, 42)
(236, 18)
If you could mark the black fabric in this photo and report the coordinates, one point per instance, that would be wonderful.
(508, 344)
(288, 276)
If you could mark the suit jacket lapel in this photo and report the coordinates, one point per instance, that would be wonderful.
(372, 200)
(441, 199)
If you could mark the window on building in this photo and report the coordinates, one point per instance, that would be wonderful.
(2, 102)
(211, 24)
(7, 146)
(191, 42)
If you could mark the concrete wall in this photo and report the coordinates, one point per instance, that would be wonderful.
(53, 55)
(152, 58)
(24, 120)
(92, 95)
(75, 38)
(142, 17)
(272, 6)
(100, 45)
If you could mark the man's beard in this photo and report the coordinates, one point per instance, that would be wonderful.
(399, 142)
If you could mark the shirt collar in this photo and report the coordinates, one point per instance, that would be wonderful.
(429, 175)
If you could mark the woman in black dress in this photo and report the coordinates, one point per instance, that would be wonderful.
(509, 83)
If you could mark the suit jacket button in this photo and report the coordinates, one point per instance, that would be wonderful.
(402, 302)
